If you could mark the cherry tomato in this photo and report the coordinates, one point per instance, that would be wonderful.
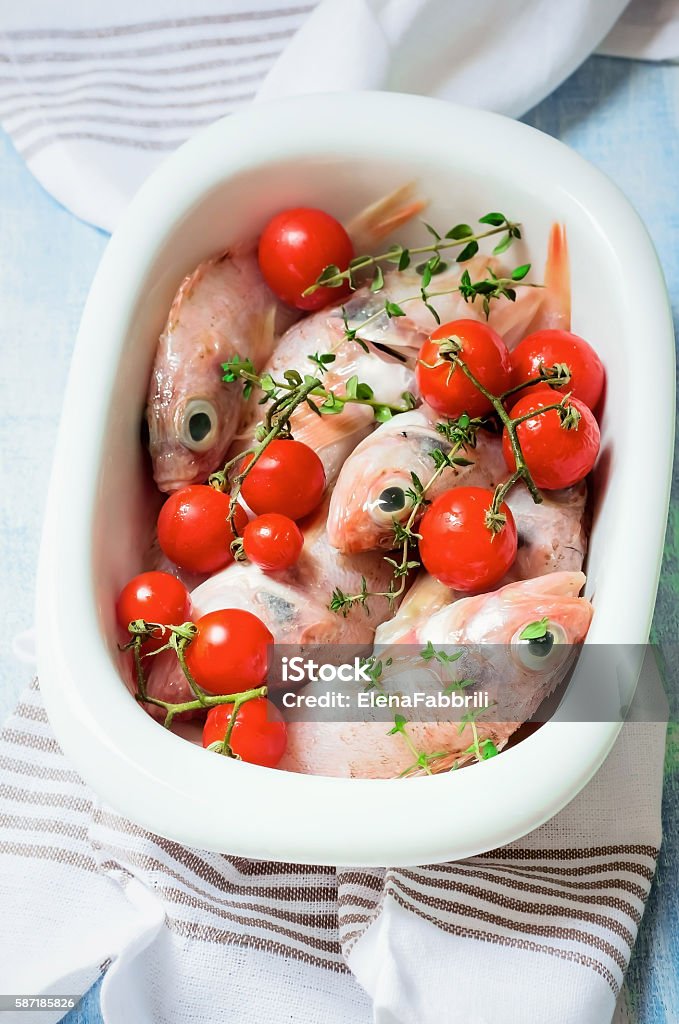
(273, 542)
(259, 734)
(446, 387)
(457, 546)
(229, 651)
(557, 456)
(295, 247)
(288, 478)
(545, 348)
(155, 597)
(194, 530)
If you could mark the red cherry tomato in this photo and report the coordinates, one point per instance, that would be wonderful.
(556, 456)
(288, 478)
(458, 548)
(155, 597)
(295, 247)
(545, 348)
(273, 542)
(194, 530)
(446, 387)
(259, 734)
(229, 651)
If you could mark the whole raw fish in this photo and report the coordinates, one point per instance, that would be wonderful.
(554, 312)
(372, 488)
(487, 629)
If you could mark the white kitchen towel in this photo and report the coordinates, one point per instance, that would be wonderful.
(95, 94)
(648, 30)
(538, 932)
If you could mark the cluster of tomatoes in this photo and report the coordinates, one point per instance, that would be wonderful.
(227, 654)
(285, 484)
(229, 650)
(457, 545)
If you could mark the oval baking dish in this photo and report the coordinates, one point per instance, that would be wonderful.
(340, 152)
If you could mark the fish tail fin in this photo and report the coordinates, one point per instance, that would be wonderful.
(557, 307)
(381, 218)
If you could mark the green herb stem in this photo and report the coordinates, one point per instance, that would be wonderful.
(180, 638)
(341, 602)
(366, 262)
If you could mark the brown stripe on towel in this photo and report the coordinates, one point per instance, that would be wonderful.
(110, 31)
(207, 933)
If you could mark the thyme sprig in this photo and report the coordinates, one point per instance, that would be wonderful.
(460, 236)
(462, 434)
(422, 760)
(283, 398)
(429, 653)
(449, 352)
(489, 288)
(481, 749)
(374, 666)
(179, 638)
(535, 630)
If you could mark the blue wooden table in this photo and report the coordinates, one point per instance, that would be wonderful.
(622, 116)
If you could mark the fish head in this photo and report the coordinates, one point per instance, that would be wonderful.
(374, 490)
(500, 617)
(191, 421)
(221, 311)
(520, 668)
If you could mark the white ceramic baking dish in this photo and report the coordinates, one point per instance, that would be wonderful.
(339, 152)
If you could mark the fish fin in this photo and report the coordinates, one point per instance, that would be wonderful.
(381, 218)
(267, 335)
(558, 276)
(555, 309)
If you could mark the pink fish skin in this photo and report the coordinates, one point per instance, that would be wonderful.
(332, 437)
(407, 333)
(222, 309)
(367, 750)
(377, 476)
(361, 514)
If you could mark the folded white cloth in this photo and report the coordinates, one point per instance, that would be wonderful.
(95, 94)
(539, 931)
(648, 30)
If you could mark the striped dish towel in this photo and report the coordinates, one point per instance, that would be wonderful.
(94, 94)
(538, 932)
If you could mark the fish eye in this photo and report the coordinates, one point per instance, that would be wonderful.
(388, 503)
(542, 652)
(392, 499)
(199, 425)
